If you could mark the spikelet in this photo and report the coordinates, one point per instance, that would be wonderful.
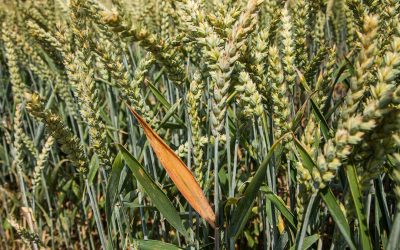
(249, 96)
(90, 111)
(389, 24)
(319, 31)
(363, 64)
(133, 91)
(301, 16)
(307, 181)
(28, 143)
(199, 33)
(41, 162)
(193, 99)
(259, 57)
(17, 84)
(288, 50)
(24, 233)
(43, 35)
(350, 26)
(379, 110)
(279, 93)
(18, 142)
(131, 87)
(303, 191)
(231, 52)
(325, 82)
(33, 59)
(64, 136)
(165, 7)
(340, 22)
(351, 130)
(164, 53)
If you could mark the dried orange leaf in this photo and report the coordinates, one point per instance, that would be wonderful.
(178, 172)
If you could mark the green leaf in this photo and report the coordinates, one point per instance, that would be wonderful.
(231, 96)
(308, 241)
(171, 108)
(155, 244)
(242, 211)
(337, 215)
(93, 168)
(382, 203)
(157, 196)
(160, 97)
(278, 202)
(2, 153)
(112, 187)
(326, 131)
(172, 125)
(296, 121)
(394, 238)
(170, 113)
(300, 237)
(337, 75)
(356, 195)
(305, 157)
(158, 76)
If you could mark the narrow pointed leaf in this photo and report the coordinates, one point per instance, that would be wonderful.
(93, 168)
(155, 244)
(112, 186)
(243, 209)
(178, 172)
(301, 235)
(356, 195)
(337, 215)
(326, 131)
(306, 159)
(394, 238)
(170, 113)
(308, 242)
(159, 96)
(280, 205)
(157, 196)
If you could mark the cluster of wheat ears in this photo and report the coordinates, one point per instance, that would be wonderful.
(200, 124)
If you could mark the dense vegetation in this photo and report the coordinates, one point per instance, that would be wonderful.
(200, 124)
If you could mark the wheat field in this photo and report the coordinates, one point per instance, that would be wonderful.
(200, 124)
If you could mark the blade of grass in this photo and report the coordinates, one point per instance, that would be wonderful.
(170, 113)
(93, 168)
(326, 131)
(308, 242)
(303, 231)
(159, 96)
(357, 199)
(278, 202)
(242, 211)
(394, 238)
(155, 244)
(96, 213)
(157, 196)
(112, 186)
(337, 215)
(164, 102)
